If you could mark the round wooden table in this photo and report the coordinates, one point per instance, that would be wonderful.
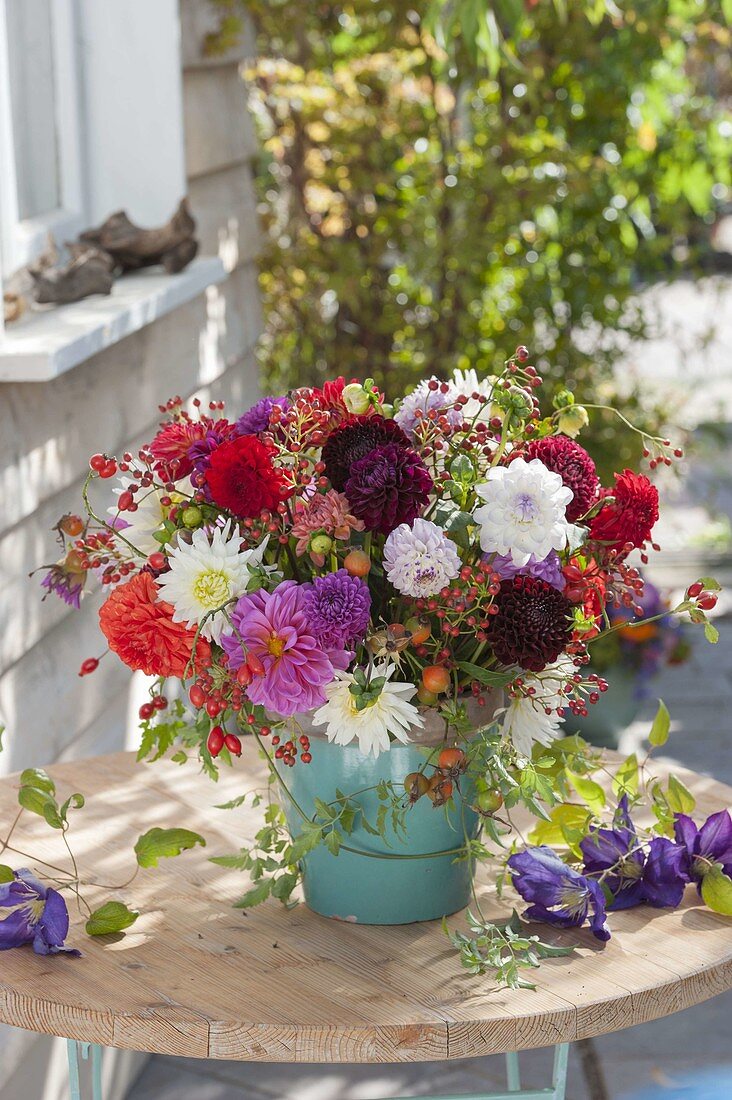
(196, 977)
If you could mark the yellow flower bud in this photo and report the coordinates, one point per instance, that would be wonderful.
(355, 398)
(572, 420)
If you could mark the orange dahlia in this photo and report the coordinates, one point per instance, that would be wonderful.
(139, 628)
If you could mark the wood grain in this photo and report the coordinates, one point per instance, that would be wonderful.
(198, 978)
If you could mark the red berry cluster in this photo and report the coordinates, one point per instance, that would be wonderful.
(103, 465)
(158, 702)
(704, 599)
(465, 606)
(288, 752)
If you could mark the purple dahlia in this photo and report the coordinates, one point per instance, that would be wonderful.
(532, 625)
(389, 486)
(355, 439)
(337, 608)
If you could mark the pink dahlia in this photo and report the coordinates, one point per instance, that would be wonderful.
(274, 627)
(325, 513)
(170, 448)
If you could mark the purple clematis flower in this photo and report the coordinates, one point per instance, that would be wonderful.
(33, 913)
(702, 847)
(632, 874)
(560, 895)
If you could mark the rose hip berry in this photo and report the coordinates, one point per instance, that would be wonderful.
(233, 744)
(216, 739)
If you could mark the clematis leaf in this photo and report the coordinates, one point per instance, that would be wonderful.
(162, 843)
(588, 790)
(567, 826)
(113, 916)
(38, 779)
(6, 873)
(680, 799)
(661, 725)
(625, 780)
(716, 890)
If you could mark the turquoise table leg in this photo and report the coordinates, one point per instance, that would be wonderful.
(513, 1078)
(556, 1090)
(73, 1050)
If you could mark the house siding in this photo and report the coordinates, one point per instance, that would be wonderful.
(47, 432)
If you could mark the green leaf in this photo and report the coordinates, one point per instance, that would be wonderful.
(711, 633)
(113, 916)
(332, 841)
(258, 893)
(162, 843)
(680, 799)
(566, 820)
(486, 675)
(661, 725)
(38, 779)
(625, 780)
(6, 873)
(283, 886)
(716, 889)
(588, 790)
(37, 802)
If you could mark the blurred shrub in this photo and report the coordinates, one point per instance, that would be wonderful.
(438, 189)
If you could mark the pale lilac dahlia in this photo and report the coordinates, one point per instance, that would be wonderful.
(420, 560)
(274, 627)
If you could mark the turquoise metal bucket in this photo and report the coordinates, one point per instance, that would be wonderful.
(416, 877)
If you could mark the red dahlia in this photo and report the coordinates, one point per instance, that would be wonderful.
(631, 516)
(139, 628)
(389, 486)
(532, 625)
(353, 440)
(563, 456)
(242, 478)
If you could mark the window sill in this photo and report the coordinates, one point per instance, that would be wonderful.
(46, 344)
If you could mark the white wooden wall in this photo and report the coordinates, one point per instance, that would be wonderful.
(48, 431)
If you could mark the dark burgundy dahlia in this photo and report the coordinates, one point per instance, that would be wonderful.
(532, 625)
(353, 440)
(563, 456)
(389, 486)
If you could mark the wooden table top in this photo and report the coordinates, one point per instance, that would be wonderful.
(195, 977)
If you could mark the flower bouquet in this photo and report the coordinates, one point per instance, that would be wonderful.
(398, 604)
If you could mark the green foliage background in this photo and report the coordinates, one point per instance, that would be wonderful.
(439, 187)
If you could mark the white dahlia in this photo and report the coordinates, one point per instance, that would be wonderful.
(389, 713)
(464, 384)
(525, 721)
(524, 512)
(420, 560)
(206, 574)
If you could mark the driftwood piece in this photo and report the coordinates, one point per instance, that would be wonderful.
(18, 287)
(173, 245)
(90, 272)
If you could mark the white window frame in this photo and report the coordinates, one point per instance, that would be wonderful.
(22, 239)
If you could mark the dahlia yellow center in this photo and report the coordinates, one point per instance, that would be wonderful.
(211, 589)
(276, 645)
